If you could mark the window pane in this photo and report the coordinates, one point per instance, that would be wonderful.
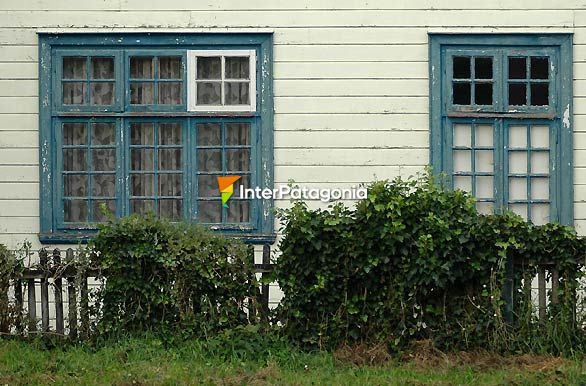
(237, 67)
(142, 134)
(238, 211)
(207, 186)
(170, 67)
(142, 185)
(237, 134)
(540, 188)
(74, 159)
(141, 67)
(463, 182)
(539, 94)
(236, 93)
(484, 187)
(209, 134)
(484, 135)
(540, 136)
(170, 159)
(462, 161)
(74, 134)
(104, 159)
(539, 68)
(518, 162)
(171, 209)
(210, 211)
(483, 93)
(170, 93)
(141, 93)
(540, 214)
(461, 93)
(104, 185)
(461, 67)
(518, 137)
(103, 134)
(517, 68)
(75, 210)
(209, 93)
(244, 181)
(517, 189)
(462, 135)
(74, 68)
(483, 68)
(238, 160)
(75, 185)
(170, 134)
(102, 68)
(484, 161)
(142, 206)
(540, 162)
(74, 93)
(485, 207)
(209, 67)
(170, 184)
(102, 94)
(142, 159)
(209, 160)
(517, 94)
(98, 210)
(520, 209)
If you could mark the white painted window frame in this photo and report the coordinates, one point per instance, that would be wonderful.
(192, 105)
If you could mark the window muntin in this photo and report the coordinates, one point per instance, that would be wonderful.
(528, 82)
(222, 80)
(156, 80)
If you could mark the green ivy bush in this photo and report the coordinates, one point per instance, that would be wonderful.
(159, 275)
(413, 261)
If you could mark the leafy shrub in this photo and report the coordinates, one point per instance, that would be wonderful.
(411, 261)
(170, 276)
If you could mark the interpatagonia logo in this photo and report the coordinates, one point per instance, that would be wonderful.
(226, 185)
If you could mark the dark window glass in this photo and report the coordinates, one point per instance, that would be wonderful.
(539, 94)
(461, 93)
(539, 68)
(483, 68)
(517, 68)
(461, 67)
(483, 94)
(517, 94)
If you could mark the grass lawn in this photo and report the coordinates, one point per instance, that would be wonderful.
(147, 362)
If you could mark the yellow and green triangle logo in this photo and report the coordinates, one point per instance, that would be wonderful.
(226, 185)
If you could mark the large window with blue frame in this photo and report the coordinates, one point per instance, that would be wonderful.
(500, 121)
(137, 123)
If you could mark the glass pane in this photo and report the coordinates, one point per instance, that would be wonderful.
(104, 159)
(462, 136)
(74, 68)
(237, 211)
(142, 185)
(483, 68)
(141, 67)
(540, 214)
(210, 211)
(142, 159)
(517, 94)
(142, 134)
(75, 210)
(170, 159)
(540, 188)
(102, 94)
(171, 209)
(484, 187)
(518, 137)
(74, 93)
(539, 94)
(463, 183)
(102, 68)
(74, 159)
(485, 207)
(141, 93)
(236, 93)
(518, 162)
(75, 185)
(208, 93)
(517, 68)
(209, 134)
(483, 93)
(520, 209)
(238, 67)
(461, 67)
(104, 185)
(238, 160)
(539, 67)
(462, 161)
(517, 189)
(170, 134)
(237, 134)
(540, 136)
(207, 186)
(209, 67)
(170, 93)
(74, 134)
(170, 67)
(540, 162)
(461, 93)
(103, 134)
(244, 181)
(484, 136)
(484, 161)
(142, 206)
(170, 184)
(209, 160)
(98, 207)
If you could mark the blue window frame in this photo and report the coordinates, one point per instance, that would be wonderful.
(500, 120)
(116, 132)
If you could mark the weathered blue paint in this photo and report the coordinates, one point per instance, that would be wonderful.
(52, 47)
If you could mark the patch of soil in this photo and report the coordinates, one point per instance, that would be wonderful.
(363, 354)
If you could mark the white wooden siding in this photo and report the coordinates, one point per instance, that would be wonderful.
(351, 80)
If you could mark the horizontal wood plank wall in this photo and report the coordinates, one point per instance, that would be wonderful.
(351, 80)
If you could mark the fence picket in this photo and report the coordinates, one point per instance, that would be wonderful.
(32, 305)
(58, 282)
(44, 291)
(541, 293)
(72, 298)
